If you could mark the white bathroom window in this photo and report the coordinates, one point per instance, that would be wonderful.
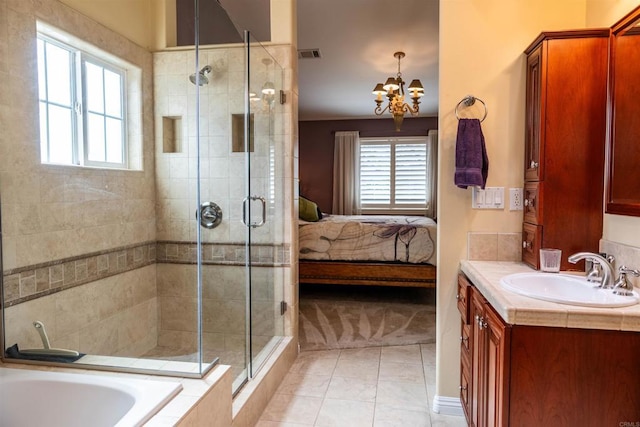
(393, 174)
(82, 100)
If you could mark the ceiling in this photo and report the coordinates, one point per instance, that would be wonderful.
(357, 40)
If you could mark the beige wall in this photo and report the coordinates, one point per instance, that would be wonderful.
(481, 53)
(151, 23)
(134, 19)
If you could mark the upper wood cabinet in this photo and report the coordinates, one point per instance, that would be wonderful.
(623, 177)
(566, 95)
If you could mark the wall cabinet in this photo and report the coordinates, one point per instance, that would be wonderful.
(566, 93)
(521, 375)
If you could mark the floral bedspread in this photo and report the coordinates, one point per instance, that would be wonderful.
(410, 239)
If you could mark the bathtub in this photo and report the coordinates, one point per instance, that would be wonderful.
(44, 398)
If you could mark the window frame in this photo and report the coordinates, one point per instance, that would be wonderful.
(393, 207)
(79, 110)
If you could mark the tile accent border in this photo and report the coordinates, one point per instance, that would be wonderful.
(34, 281)
(27, 283)
(222, 253)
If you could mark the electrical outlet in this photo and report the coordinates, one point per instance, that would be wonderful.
(515, 199)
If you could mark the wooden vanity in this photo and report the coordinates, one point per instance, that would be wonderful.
(525, 362)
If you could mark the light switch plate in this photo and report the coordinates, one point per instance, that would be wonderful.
(489, 198)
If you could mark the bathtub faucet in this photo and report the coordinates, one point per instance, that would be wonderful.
(607, 270)
(47, 350)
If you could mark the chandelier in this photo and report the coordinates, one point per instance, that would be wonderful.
(394, 91)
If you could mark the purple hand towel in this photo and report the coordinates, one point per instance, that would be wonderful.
(472, 163)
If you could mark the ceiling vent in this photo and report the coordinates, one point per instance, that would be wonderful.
(309, 53)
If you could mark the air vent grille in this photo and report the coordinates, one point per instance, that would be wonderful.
(309, 53)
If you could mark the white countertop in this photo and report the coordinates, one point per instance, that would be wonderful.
(520, 310)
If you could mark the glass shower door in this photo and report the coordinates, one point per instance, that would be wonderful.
(264, 204)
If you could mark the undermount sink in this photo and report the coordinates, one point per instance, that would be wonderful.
(565, 289)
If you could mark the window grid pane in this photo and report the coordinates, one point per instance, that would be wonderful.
(105, 100)
(55, 92)
(95, 137)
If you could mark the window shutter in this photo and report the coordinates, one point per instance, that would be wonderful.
(375, 174)
(411, 173)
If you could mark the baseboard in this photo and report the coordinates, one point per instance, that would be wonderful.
(447, 406)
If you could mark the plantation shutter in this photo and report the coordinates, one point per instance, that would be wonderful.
(393, 173)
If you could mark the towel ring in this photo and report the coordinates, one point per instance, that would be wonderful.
(468, 101)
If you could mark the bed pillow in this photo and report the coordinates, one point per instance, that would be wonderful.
(309, 210)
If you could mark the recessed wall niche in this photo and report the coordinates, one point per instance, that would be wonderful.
(172, 134)
(237, 133)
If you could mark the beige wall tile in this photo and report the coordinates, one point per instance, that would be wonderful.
(509, 247)
(482, 246)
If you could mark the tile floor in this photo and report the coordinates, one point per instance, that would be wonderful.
(373, 387)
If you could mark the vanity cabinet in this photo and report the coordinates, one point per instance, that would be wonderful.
(523, 375)
(484, 339)
(566, 92)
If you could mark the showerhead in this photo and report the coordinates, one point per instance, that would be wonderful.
(201, 79)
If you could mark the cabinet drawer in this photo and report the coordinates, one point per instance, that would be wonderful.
(463, 297)
(531, 240)
(465, 333)
(465, 348)
(465, 393)
(532, 201)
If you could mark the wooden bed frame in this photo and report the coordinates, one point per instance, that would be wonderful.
(367, 273)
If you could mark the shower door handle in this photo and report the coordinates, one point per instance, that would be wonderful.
(263, 204)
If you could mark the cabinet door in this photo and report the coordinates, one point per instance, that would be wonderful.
(476, 317)
(496, 403)
(534, 146)
(533, 202)
(462, 296)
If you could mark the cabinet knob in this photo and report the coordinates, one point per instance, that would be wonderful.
(457, 296)
(526, 245)
(534, 164)
(463, 388)
(529, 202)
(464, 339)
(481, 322)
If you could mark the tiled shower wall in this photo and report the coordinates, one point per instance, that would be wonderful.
(58, 220)
(222, 181)
(54, 212)
(61, 224)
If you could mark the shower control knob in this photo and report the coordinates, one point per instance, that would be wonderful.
(210, 215)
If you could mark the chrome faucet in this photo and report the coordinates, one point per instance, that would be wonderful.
(595, 269)
(607, 269)
(623, 286)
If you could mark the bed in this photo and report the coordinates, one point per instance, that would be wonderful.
(368, 250)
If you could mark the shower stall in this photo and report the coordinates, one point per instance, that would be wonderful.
(179, 261)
